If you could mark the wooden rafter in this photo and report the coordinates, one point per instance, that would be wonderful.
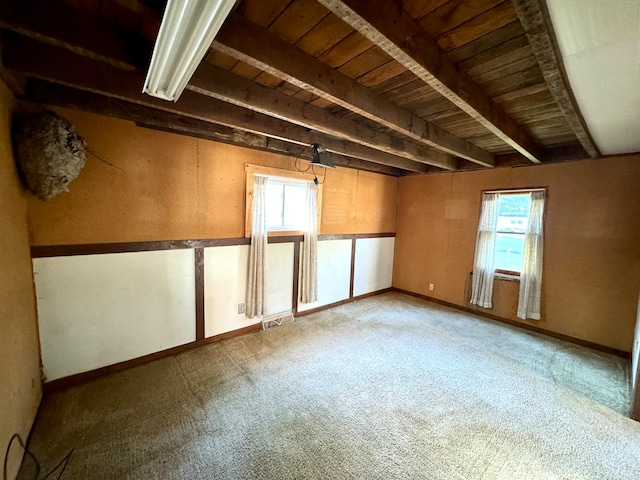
(43, 62)
(61, 96)
(387, 25)
(276, 146)
(217, 83)
(534, 16)
(106, 46)
(262, 49)
(60, 26)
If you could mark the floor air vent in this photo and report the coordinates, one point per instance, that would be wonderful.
(277, 319)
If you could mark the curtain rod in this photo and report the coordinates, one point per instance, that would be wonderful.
(519, 190)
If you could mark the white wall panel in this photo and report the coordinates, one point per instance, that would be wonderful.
(279, 278)
(97, 310)
(373, 265)
(225, 286)
(334, 273)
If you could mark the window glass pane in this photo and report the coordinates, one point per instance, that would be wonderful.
(274, 204)
(513, 216)
(286, 207)
(513, 212)
(295, 206)
(509, 251)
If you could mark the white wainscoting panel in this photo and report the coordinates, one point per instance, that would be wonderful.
(334, 273)
(225, 286)
(373, 269)
(98, 310)
(279, 278)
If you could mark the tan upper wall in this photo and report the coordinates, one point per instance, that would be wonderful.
(20, 364)
(591, 273)
(169, 187)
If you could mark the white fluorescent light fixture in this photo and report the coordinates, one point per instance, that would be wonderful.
(187, 30)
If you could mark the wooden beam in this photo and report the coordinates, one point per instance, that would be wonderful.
(262, 49)
(59, 95)
(62, 96)
(109, 46)
(217, 83)
(391, 28)
(555, 154)
(534, 16)
(54, 65)
(13, 80)
(284, 148)
(58, 25)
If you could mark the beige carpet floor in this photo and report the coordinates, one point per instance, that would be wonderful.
(389, 387)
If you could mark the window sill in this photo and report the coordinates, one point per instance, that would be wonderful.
(507, 277)
(284, 233)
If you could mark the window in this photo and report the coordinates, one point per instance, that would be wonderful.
(286, 207)
(286, 199)
(504, 247)
(513, 216)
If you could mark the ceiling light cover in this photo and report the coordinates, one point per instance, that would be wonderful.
(321, 157)
(187, 30)
(600, 45)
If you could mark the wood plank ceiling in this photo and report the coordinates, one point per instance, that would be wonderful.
(391, 86)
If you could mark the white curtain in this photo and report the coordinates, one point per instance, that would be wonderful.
(258, 249)
(483, 264)
(309, 267)
(531, 275)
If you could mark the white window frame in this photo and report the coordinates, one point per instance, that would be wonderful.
(509, 274)
(282, 175)
(284, 182)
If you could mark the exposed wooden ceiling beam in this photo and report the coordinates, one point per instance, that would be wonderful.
(58, 95)
(534, 16)
(278, 146)
(387, 25)
(222, 85)
(13, 80)
(262, 49)
(52, 94)
(55, 65)
(107, 45)
(58, 25)
(62, 96)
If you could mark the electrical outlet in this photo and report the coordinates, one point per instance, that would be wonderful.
(240, 308)
(431, 287)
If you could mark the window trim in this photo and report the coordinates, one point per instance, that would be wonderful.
(280, 173)
(508, 274)
(516, 191)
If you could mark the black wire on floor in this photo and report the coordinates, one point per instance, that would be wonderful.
(63, 463)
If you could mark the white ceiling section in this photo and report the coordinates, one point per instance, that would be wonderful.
(600, 45)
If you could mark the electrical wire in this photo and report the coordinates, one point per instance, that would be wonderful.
(297, 160)
(16, 436)
(310, 167)
(91, 152)
(315, 178)
(63, 463)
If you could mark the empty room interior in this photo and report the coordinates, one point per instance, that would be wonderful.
(320, 239)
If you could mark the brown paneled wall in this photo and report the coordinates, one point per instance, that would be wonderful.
(592, 243)
(20, 363)
(164, 186)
